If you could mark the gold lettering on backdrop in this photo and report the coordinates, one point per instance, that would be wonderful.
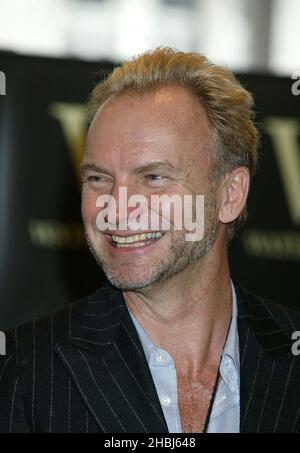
(72, 118)
(281, 245)
(54, 234)
(285, 134)
(272, 244)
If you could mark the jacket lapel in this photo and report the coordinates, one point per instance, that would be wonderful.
(107, 365)
(106, 362)
(266, 363)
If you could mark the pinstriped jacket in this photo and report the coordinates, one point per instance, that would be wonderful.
(83, 369)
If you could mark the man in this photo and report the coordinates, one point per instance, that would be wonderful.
(169, 344)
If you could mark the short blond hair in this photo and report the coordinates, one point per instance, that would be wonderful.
(228, 106)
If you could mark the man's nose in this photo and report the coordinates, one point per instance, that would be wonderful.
(122, 194)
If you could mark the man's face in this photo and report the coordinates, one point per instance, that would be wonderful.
(153, 145)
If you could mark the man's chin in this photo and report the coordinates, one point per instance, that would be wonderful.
(126, 283)
(128, 286)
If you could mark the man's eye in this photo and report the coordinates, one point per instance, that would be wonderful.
(155, 177)
(94, 178)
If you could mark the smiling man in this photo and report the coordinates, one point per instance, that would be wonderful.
(142, 142)
(169, 344)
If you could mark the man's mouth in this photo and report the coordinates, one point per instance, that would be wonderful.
(136, 240)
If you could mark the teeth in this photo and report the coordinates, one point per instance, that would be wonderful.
(136, 237)
(137, 244)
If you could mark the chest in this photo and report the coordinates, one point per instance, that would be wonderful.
(194, 397)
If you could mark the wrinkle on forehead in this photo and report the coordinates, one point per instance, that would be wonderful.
(180, 100)
(152, 123)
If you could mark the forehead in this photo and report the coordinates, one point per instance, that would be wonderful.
(169, 118)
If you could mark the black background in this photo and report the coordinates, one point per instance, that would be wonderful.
(37, 181)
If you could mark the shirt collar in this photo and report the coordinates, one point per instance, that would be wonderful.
(231, 345)
(230, 363)
(147, 344)
(231, 348)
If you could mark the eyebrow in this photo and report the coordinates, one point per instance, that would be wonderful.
(84, 167)
(152, 166)
(158, 165)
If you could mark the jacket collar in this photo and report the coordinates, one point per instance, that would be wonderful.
(265, 365)
(106, 310)
(106, 330)
(256, 314)
(107, 365)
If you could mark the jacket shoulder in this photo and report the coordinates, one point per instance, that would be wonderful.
(286, 317)
(41, 334)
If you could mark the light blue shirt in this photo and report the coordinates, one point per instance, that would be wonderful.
(225, 414)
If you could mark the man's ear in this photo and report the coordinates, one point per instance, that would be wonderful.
(233, 194)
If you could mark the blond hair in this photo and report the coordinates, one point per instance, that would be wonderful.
(228, 106)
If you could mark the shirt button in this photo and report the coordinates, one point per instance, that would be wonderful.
(166, 401)
(159, 357)
(220, 399)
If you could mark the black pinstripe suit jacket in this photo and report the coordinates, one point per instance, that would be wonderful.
(83, 369)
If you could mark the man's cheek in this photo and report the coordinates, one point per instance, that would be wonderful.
(88, 208)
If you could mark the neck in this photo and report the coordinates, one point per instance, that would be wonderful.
(189, 315)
